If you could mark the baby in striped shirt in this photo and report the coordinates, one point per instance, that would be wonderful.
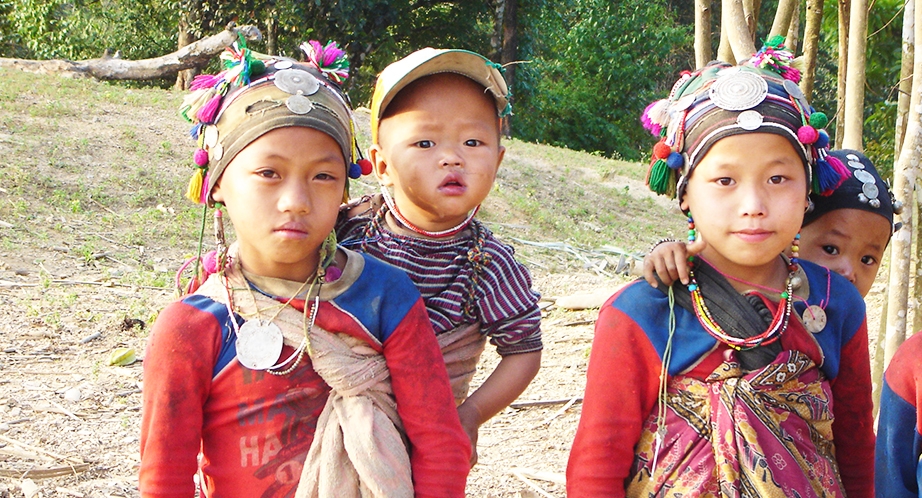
(435, 125)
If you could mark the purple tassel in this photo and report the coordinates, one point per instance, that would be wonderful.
(208, 111)
(843, 172)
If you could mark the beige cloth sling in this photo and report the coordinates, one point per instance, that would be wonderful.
(461, 347)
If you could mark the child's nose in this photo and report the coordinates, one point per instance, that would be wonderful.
(845, 269)
(451, 157)
(295, 198)
(753, 203)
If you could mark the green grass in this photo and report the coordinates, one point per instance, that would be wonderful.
(91, 168)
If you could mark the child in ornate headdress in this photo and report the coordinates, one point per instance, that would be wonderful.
(435, 125)
(846, 231)
(717, 388)
(290, 342)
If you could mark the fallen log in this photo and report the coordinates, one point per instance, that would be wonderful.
(196, 54)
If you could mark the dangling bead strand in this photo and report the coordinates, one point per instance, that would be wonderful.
(692, 233)
(795, 253)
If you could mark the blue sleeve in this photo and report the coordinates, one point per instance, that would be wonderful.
(899, 445)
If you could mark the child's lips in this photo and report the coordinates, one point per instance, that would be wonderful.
(753, 235)
(452, 185)
(292, 230)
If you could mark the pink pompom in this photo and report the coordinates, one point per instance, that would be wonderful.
(210, 262)
(333, 273)
(200, 157)
(807, 134)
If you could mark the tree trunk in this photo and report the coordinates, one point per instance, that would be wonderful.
(496, 41)
(272, 34)
(184, 78)
(855, 77)
(751, 13)
(793, 35)
(724, 52)
(733, 22)
(843, 67)
(510, 51)
(811, 45)
(783, 16)
(904, 174)
(902, 107)
(703, 52)
(195, 54)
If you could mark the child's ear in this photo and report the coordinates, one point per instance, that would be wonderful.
(500, 156)
(379, 164)
(216, 194)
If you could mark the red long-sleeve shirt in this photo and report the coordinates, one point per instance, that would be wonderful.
(248, 432)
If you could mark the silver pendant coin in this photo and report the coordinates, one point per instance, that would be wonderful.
(283, 64)
(299, 104)
(814, 319)
(259, 345)
(749, 120)
(870, 190)
(295, 81)
(863, 176)
(739, 91)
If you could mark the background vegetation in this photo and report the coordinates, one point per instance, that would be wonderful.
(588, 67)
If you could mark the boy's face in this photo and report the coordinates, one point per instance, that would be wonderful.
(747, 196)
(438, 147)
(282, 194)
(850, 242)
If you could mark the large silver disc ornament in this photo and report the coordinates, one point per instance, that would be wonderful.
(259, 344)
(738, 91)
(296, 81)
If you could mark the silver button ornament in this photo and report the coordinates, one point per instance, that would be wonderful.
(299, 104)
(749, 120)
(296, 81)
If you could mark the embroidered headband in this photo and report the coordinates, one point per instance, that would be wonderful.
(758, 96)
(256, 94)
(429, 61)
(864, 190)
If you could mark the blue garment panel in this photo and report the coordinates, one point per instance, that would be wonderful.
(380, 299)
(228, 337)
(649, 308)
(845, 312)
(898, 470)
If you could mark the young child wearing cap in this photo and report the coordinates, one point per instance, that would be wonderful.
(294, 359)
(846, 231)
(436, 144)
(714, 388)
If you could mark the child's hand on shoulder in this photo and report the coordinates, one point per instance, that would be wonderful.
(668, 261)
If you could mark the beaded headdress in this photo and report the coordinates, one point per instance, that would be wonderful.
(256, 94)
(864, 190)
(758, 96)
(429, 61)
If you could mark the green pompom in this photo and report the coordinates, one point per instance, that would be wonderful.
(775, 41)
(257, 67)
(659, 177)
(818, 120)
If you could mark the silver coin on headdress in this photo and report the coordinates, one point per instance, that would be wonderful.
(210, 138)
(855, 165)
(793, 89)
(295, 81)
(870, 190)
(216, 153)
(852, 157)
(283, 64)
(299, 104)
(864, 177)
(749, 120)
(738, 91)
(875, 203)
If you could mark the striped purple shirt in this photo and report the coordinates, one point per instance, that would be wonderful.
(503, 300)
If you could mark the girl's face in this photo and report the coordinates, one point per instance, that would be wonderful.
(850, 242)
(747, 196)
(282, 194)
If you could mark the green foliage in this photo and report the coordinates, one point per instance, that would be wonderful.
(595, 67)
(82, 29)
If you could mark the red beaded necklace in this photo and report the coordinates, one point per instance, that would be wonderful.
(392, 206)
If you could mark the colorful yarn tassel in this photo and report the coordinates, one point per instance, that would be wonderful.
(206, 114)
(194, 190)
(328, 59)
(658, 178)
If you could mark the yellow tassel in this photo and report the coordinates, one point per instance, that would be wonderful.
(194, 192)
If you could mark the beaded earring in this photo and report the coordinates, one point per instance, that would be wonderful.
(795, 252)
(325, 268)
(692, 233)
